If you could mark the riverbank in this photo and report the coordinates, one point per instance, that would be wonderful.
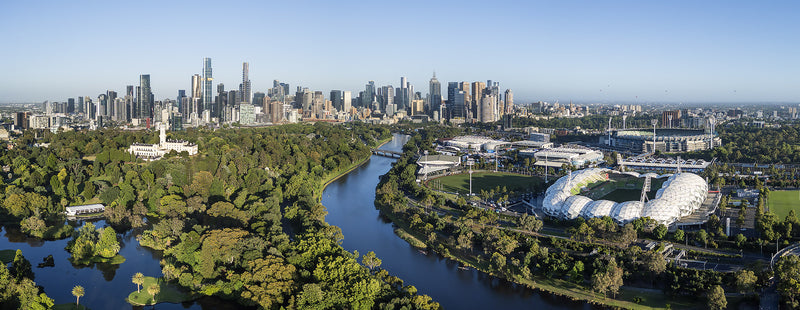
(335, 176)
(627, 299)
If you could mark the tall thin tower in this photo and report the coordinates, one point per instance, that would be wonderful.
(245, 88)
(435, 99)
(208, 101)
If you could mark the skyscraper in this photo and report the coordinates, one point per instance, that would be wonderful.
(336, 100)
(111, 104)
(208, 103)
(79, 106)
(197, 86)
(347, 101)
(258, 98)
(369, 94)
(477, 95)
(245, 87)
(435, 95)
(144, 98)
(388, 96)
(509, 103)
(181, 94)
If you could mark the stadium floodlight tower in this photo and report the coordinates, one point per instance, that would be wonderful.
(654, 122)
(624, 116)
(711, 121)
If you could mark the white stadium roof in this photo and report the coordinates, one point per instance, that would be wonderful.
(680, 195)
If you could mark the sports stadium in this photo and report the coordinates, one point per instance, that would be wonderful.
(666, 140)
(619, 195)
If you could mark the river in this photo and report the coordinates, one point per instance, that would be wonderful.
(350, 204)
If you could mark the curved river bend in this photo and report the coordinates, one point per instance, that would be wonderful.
(350, 203)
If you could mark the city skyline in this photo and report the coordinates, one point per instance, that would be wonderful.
(581, 51)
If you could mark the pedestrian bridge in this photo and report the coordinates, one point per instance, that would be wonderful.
(387, 153)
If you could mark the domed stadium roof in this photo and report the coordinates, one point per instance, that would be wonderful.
(680, 195)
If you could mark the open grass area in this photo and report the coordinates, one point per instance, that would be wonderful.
(484, 181)
(781, 202)
(167, 293)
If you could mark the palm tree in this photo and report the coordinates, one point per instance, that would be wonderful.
(153, 289)
(138, 279)
(78, 292)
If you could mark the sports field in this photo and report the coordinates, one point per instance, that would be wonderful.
(621, 189)
(780, 202)
(623, 195)
(484, 181)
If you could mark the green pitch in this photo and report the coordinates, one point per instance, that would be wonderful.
(780, 202)
(484, 181)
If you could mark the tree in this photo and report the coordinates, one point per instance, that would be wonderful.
(654, 261)
(787, 272)
(679, 235)
(583, 233)
(108, 245)
(33, 226)
(138, 279)
(530, 223)
(78, 292)
(576, 274)
(716, 298)
(660, 231)
(702, 236)
(745, 281)
(608, 280)
(21, 267)
(370, 260)
(740, 240)
(153, 290)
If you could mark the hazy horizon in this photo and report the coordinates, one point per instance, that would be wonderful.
(620, 51)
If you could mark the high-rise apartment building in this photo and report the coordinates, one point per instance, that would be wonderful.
(245, 88)
(144, 98)
(197, 86)
(509, 102)
(208, 102)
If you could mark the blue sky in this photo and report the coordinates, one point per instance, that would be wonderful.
(604, 51)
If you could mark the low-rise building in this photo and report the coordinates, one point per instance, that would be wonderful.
(156, 151)
(571, 155)
(85, 209)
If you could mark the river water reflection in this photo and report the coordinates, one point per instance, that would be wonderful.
(350, 204)
(106, 285)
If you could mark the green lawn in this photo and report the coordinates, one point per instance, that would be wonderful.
(168, 293)
(780, 202)
(484, 181)
(623, 195)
